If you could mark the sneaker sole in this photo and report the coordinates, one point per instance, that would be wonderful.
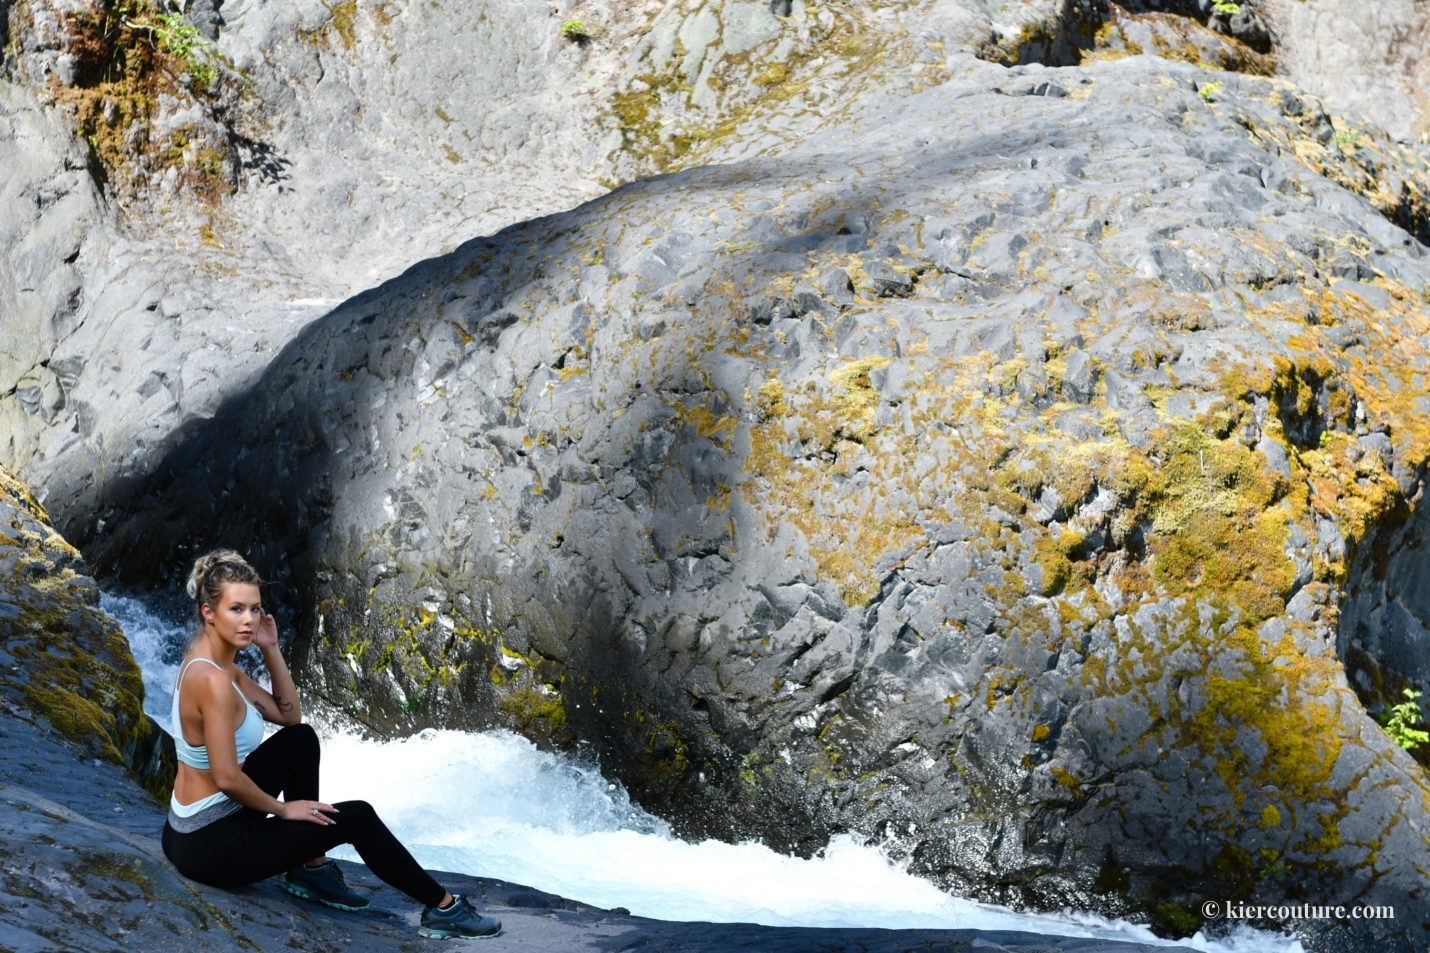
(303, 893)
(435, 934)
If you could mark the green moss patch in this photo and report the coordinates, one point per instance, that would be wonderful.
(131, 56)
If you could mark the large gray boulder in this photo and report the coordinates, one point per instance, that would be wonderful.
(352, 142)
(339, 143)
(989, 493)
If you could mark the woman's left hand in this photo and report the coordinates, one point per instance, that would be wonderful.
(315, 812)
(265, 634)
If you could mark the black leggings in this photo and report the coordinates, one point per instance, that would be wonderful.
(248, 845)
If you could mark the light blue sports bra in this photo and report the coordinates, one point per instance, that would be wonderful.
(248, 736)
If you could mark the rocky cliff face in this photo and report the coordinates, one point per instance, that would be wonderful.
(61, 658)
(1009, 462)
(1368, 63)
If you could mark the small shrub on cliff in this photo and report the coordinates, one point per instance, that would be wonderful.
(578, 32)
(1346, 139)
(137, 65)
(180, 39)
(1400, 718)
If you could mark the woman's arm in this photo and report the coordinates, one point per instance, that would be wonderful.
(214, 694)
(280, 706)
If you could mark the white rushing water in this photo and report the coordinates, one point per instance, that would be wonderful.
(493, 805)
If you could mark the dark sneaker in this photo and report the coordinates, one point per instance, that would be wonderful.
(323, 885)
(458, 920)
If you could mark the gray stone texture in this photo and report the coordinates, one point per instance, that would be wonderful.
(49, 207)
(1370, 63)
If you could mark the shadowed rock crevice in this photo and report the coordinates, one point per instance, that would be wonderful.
(1079, 32)
(1385, 616)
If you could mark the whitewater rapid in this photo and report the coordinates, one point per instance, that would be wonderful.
(492, 805)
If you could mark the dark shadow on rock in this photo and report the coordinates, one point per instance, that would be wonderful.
(1384, 640)
(1083, 27)
(262, 160)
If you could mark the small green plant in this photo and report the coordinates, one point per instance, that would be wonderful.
(1275, 870)
(1345, 138)
(578, 32)
(180, 39)
(1401, 717)
(1208, 90)
(1226, 7)
(747, 772)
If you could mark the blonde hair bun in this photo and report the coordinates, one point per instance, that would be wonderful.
(214, 570)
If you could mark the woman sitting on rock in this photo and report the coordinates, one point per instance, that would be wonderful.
(226, 826)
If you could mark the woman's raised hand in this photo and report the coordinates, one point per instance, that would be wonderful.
(314, 811)
(265, 633)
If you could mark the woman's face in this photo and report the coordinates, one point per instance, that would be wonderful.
(236, 615)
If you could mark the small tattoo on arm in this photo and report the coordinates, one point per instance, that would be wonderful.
(282, 705)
